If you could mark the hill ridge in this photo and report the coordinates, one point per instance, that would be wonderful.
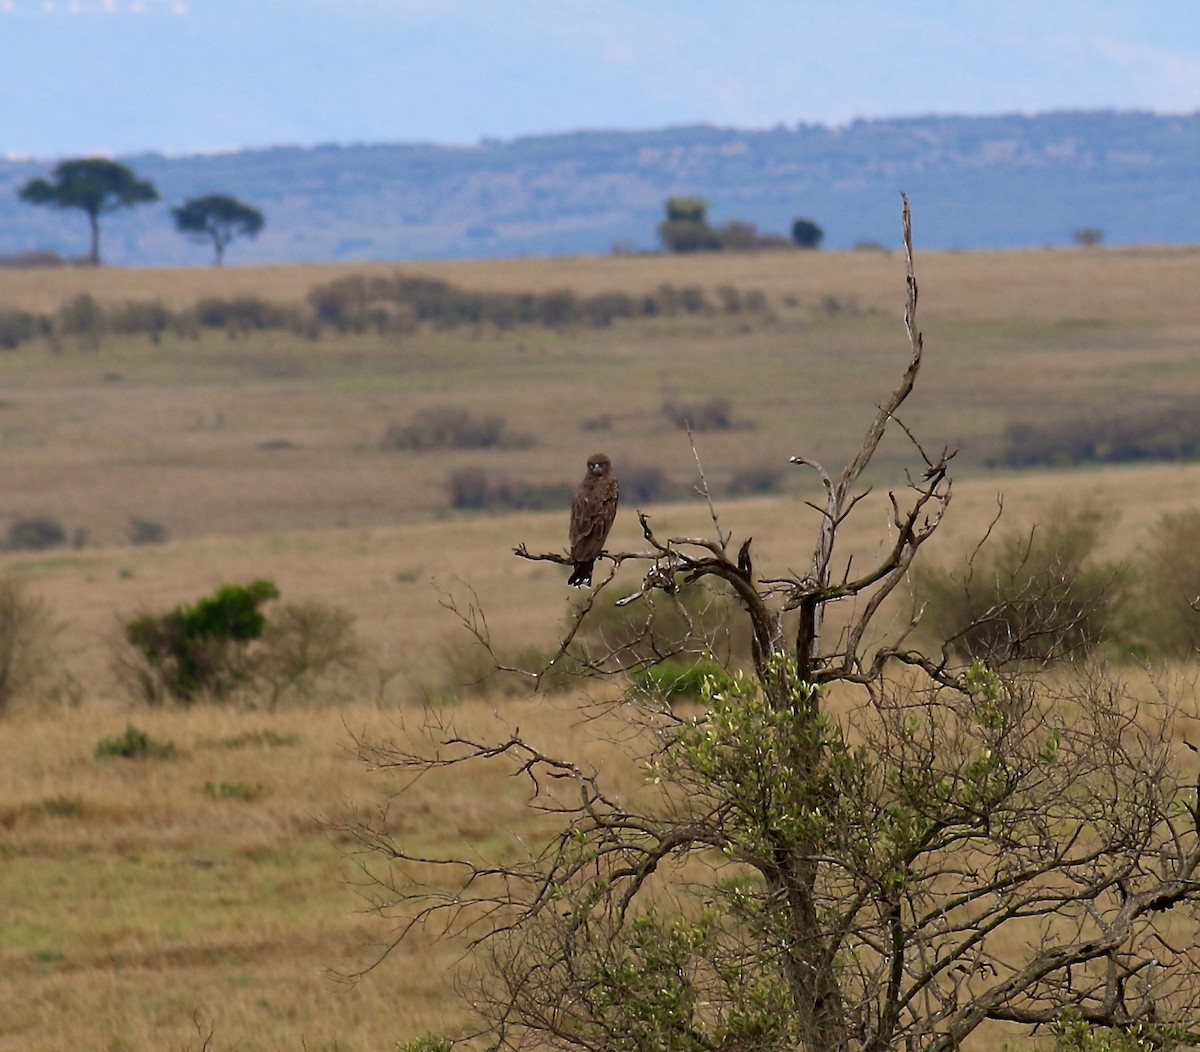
(977, 182)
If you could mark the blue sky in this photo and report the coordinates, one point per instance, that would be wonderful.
(187, 76)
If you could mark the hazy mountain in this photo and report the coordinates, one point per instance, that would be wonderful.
(975, 182)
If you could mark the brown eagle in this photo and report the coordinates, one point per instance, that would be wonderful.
(593, 509)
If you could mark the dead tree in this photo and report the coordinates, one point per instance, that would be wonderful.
(949, 844)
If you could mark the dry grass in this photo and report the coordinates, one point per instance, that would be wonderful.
(275, 432)
(141, 891)
(134, 896)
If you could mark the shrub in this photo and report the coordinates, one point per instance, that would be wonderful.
(469, 488)
(1169, 586)
(641, 484)
(1039, 594)
(19, 326)
(470, 669)
(36, 534)
(201, 648)
(82, 317)
(241, 314)
(448, 427)
(691, 625)
(755, 479)
(233, 790)
(473, 489)
(1106, 438)
(673, 679)
(146, 531)
(150, 318)
(134, 744)
(714, 414)
(28, 643)
(301, 643)
(1072, 1034)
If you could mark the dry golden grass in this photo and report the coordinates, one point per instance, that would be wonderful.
(137, 898)
(275, 432)
(139, 892)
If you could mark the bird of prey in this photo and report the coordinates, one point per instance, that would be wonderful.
(593, 509)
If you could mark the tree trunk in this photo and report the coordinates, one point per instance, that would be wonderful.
(94, 254)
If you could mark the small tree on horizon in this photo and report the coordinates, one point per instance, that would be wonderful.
(806, 233)
(686, 227)
(217, 220)
(96, 186)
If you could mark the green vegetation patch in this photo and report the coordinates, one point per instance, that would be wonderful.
(134, 744)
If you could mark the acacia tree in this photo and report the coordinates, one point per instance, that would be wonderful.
(218, 220)
(94, 185)
(807, 234)
(854, 844)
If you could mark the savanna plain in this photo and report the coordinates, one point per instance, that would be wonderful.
(205, 896)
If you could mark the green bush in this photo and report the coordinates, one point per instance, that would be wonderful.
(1037, 594)
(1076, 1035)
(199, 649)
(674, 679)
(134, 744)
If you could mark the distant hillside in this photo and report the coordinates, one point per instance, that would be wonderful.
(975, 182)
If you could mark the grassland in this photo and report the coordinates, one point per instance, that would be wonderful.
(138, 892)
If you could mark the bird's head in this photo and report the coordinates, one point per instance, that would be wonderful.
(599, 464)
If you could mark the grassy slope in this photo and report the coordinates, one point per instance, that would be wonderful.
(138, 897)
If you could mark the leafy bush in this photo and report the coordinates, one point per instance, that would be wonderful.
(673, 679)
(35, 534)
(1038, 594)
(134, 744)
(201, 648)
(1076, 1035)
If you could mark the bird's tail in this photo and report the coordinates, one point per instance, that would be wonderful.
(581, 577)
